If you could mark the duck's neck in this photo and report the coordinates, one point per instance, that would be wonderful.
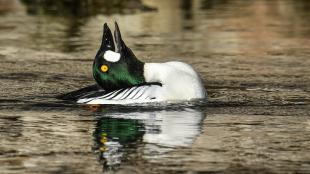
(154, 72)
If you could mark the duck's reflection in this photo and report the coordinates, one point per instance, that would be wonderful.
(113, 136)
(146, 134)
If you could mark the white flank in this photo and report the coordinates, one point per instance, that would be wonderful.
(111, 56)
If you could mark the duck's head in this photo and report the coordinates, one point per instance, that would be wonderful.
(115, 69)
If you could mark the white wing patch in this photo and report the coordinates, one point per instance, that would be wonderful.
(111, 56)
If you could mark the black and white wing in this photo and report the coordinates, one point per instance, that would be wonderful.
(136, 94)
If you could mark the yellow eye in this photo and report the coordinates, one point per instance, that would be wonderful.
(104, 68)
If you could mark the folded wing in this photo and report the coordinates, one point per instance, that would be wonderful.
(136, 94)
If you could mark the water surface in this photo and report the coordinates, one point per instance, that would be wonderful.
(253, 57)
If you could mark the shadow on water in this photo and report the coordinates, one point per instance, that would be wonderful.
(120, 135)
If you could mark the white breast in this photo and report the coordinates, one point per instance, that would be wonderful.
(179, 81)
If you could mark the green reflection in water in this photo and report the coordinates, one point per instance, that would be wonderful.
(123, 130)
(113, 136)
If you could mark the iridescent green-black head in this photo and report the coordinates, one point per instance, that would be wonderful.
(115, 69)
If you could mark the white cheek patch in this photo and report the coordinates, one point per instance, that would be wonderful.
(111, 56)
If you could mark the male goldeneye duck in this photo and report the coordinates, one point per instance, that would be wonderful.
(124, 79)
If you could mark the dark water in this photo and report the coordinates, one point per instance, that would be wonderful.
(253, 57)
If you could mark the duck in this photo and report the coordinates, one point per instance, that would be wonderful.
(124, 79)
